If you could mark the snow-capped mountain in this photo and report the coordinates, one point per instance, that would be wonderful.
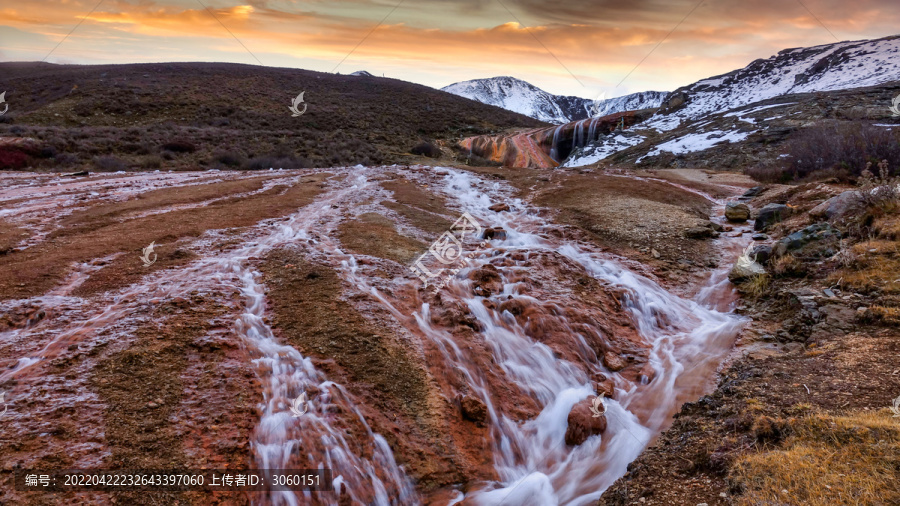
(829, 67)
(525, 98)
(362, 73)
(631, 102)
(522, 97)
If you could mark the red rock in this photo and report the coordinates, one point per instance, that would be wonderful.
(494, 233)
(514, 306)
(613, 362)
(583, 424)
(473, 409)
(647, 372)
(497, 208)
(487, 280)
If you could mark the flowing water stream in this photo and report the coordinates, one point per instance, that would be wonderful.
(684, 342)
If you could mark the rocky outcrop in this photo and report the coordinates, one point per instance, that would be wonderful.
(800, 238)
(839, 206)
(769, 215)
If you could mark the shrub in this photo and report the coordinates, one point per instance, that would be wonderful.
(13, 159)
(151, 162)
(426, 149)
(179, 147)
(267, 162)
(228, 158)
(832, 149)
(65, 160)
(109, 164)
(756, 286)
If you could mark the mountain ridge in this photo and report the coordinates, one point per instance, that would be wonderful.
(520, 96)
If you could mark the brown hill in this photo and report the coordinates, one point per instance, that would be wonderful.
(188, 116)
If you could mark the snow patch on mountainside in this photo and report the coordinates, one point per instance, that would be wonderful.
(522, 97)
(828, 67)
(696, 142)
(603, 148)
(631, 102)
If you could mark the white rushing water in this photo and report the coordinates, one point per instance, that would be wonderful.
(363, 468)
(686, 342)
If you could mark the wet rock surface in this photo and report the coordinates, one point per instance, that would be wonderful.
(737, 212)
(582, 423)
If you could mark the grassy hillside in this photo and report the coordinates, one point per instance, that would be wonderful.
(188, 116)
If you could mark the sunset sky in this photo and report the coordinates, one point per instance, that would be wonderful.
(574, 47)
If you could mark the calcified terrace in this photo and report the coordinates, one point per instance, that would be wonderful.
(274, 284)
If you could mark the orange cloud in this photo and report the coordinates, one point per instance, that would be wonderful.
(599, 41)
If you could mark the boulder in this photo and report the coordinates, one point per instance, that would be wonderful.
(752, 192)
(613, 361)
(745, 268)
(771, 214)
(699, 233)
(499, 207)
(473, 409)
(761, 253)
(715, 226)
(494, 233)
(582, 423)
(737, 211)
(842, 205)
(818, 212)
(487, 280)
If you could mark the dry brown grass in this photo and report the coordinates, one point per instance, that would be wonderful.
(826, 460)
(875, 266)
(788, 265)
(756, 286)
(884, 314)
(887, 226)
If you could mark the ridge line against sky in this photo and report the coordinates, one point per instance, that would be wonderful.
(439, 42)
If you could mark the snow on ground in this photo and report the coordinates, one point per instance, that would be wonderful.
(828, 67)
(757, 109)
(696, 142)
(603, 148)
